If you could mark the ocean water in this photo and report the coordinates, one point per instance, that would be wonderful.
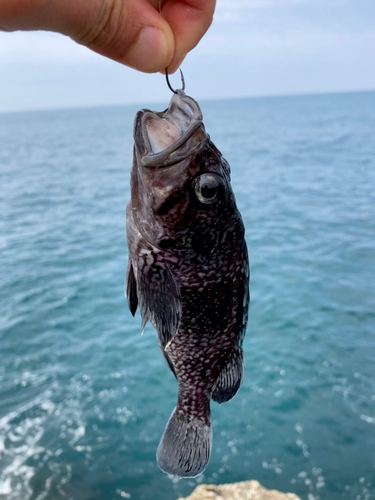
(84, 398)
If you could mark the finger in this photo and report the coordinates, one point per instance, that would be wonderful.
(189, 20)
(19, 14)
(134, 34)
(131, 32)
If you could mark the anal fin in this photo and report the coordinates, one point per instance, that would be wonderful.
(230, 378)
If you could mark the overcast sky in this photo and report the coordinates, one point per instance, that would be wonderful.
(254, 48)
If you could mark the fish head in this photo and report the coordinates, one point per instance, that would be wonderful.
(180, 181)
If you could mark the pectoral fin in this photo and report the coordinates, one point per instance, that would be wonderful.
(159, 299)
(131, 289)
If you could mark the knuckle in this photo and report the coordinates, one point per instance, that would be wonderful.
(102, 28)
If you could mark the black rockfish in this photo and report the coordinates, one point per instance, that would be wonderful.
(188, 271)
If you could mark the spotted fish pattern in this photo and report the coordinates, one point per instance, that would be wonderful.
(188, 271)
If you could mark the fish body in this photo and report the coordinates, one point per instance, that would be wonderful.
(188, 271)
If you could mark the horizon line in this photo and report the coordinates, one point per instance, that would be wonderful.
(145, 103)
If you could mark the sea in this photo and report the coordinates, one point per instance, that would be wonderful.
(84, 397)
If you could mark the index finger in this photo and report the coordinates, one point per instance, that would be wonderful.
(189, 21)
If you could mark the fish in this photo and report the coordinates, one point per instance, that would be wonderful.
(188, 271)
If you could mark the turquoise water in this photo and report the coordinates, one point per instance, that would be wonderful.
(84, 398)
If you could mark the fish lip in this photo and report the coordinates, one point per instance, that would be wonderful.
(169, 156)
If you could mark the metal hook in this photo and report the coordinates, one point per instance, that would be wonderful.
(168, 82)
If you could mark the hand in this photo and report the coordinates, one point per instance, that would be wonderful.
(147, 35)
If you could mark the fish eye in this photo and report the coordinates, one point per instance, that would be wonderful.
(207, 188)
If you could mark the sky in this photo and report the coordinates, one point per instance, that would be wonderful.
(253, 48)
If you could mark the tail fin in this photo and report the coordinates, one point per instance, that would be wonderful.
(185, 447)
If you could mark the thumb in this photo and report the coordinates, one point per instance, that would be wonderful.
(131, 32)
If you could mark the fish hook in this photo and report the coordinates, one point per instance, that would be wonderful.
(169, 84)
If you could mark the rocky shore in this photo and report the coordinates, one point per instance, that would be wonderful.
(246, 490)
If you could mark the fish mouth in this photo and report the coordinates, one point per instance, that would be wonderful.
(162, 138)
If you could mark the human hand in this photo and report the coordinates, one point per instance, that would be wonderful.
(147, 35)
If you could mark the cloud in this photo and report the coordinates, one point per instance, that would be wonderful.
(242, 10)
(265, 46)
(41, 47)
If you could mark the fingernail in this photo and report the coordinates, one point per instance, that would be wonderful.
(150, 52)
(173, 66)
